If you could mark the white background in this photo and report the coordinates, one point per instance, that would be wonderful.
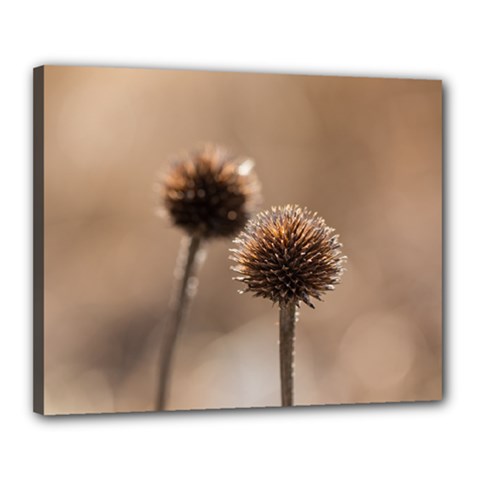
(409, 38)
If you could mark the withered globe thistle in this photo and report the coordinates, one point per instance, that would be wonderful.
(210, 193)
(288, 254)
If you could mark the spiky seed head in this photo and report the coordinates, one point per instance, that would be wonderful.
(211, 193)
(288, 254)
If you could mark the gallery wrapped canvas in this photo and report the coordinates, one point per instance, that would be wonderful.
(217, 240)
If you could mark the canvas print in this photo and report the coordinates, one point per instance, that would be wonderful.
(219, 240)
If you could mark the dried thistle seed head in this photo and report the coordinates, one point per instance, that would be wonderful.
(288, 254)
(211, 193)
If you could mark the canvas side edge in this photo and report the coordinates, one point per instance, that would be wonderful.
(38, 239)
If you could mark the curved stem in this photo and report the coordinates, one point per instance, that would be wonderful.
(187, 267)
(287, 348)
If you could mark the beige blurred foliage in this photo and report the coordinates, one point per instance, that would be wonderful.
(364, 153)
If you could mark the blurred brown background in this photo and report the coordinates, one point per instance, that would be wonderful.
(364, 153)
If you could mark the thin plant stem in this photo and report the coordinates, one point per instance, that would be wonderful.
(287, 347)
(186, 273)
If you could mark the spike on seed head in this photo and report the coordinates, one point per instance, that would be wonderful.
(288, 254)
(210, 192)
